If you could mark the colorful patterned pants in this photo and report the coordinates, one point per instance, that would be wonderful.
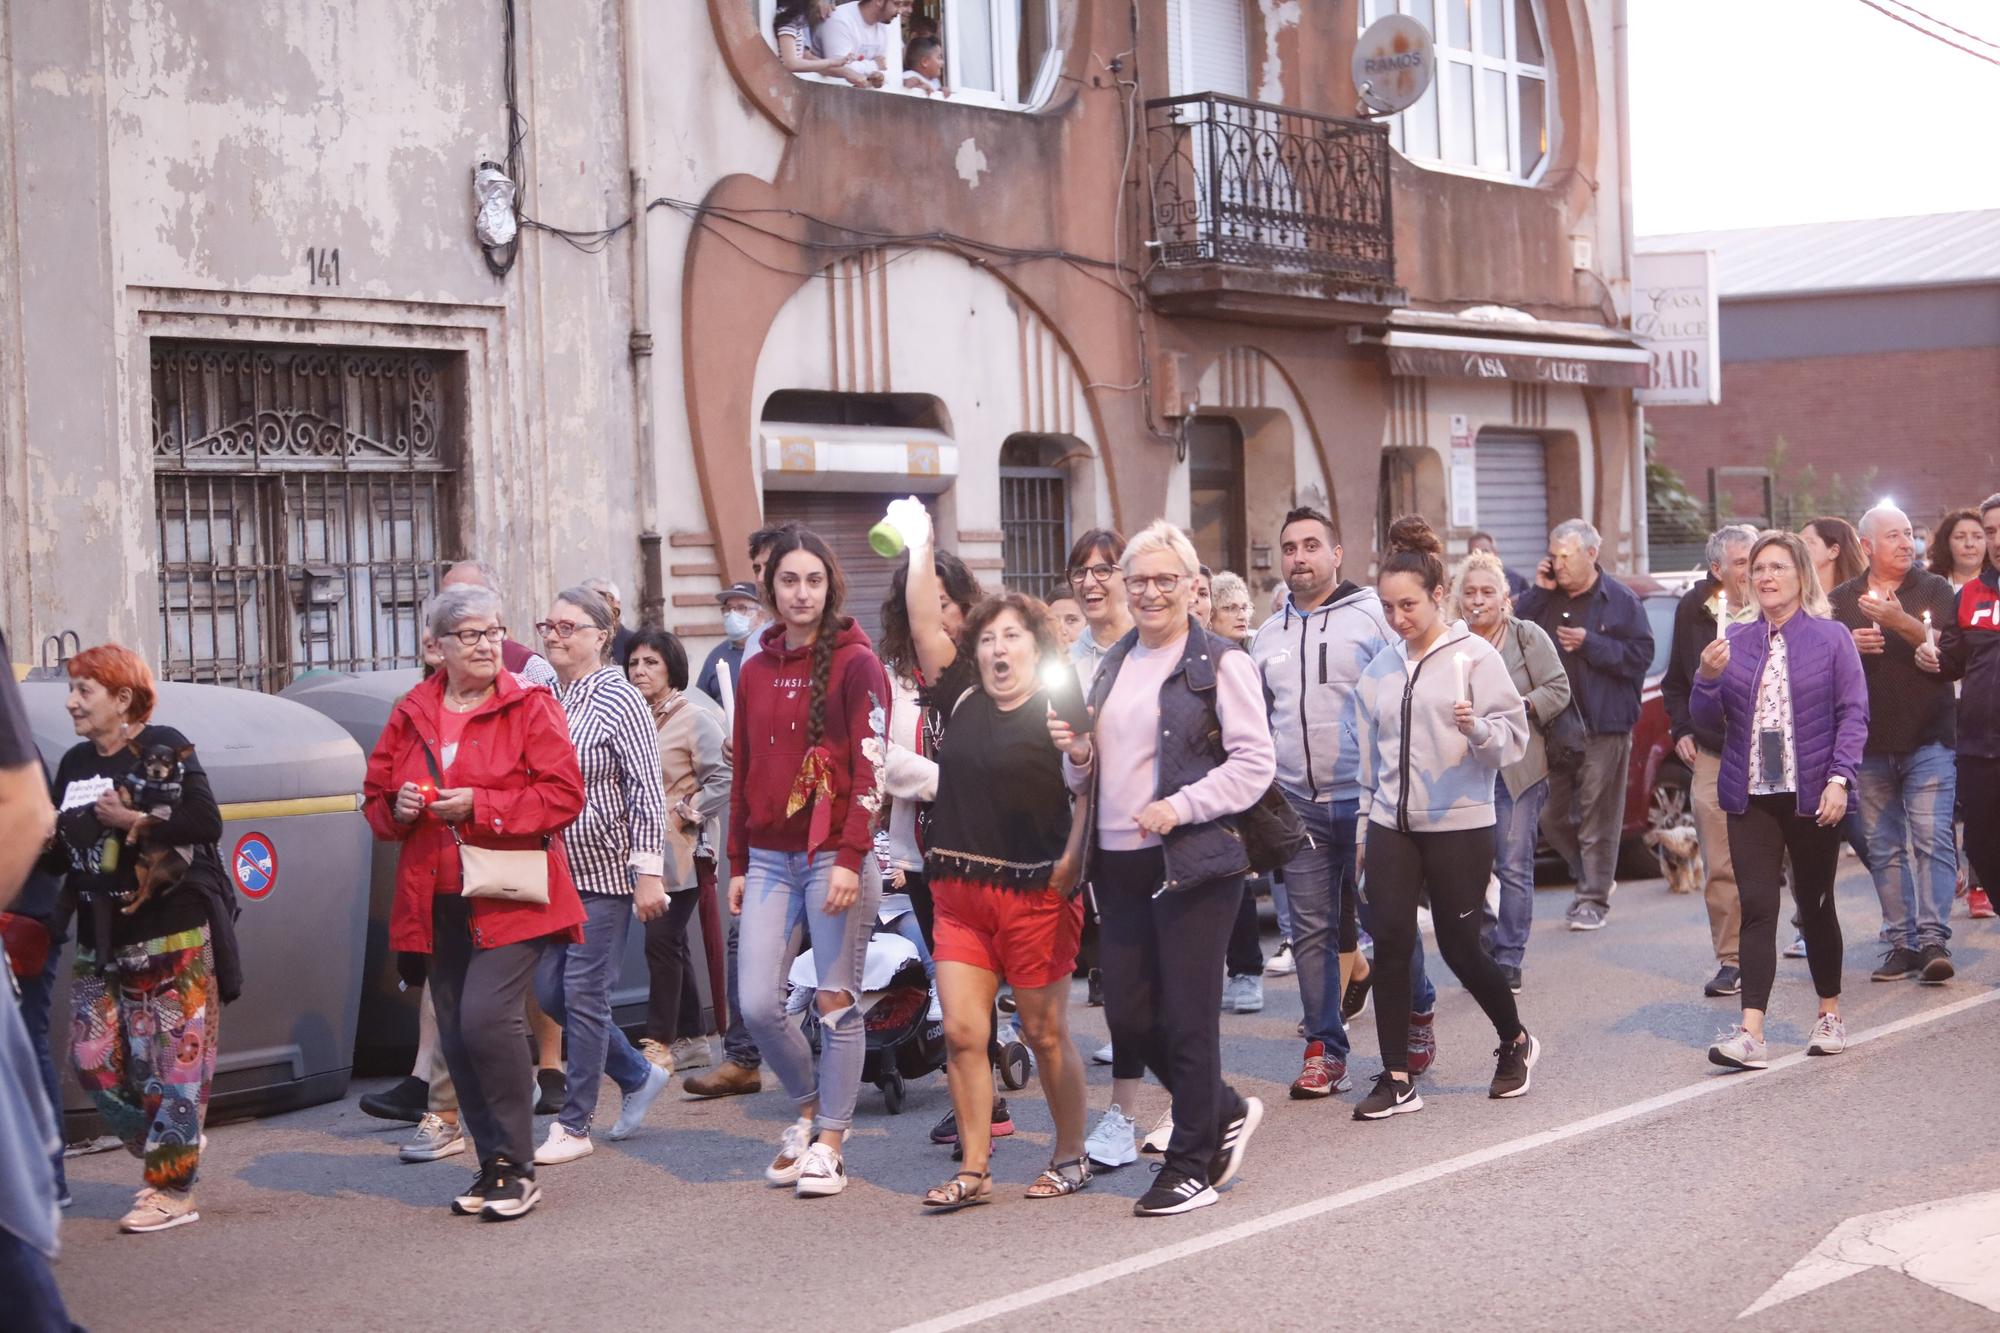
(144, 1045)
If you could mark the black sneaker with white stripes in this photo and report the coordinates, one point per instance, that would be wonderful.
(469, 1201)
(1236, 1132)
(1174, 1193)
(511, 1195)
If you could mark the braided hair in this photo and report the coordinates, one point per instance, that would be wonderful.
(831, 622)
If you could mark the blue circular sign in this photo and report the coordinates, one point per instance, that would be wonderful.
(254, 866)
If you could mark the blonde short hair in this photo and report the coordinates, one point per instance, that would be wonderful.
(1157, 536)
(1228, 584)
(1480, 560)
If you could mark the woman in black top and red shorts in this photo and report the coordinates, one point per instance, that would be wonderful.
(1001, 872)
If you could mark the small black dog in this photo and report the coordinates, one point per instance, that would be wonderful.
(154, 790)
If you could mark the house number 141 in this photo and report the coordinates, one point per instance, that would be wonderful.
(322, 267)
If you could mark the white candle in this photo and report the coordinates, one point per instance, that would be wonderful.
(1930, 630)
(1722, 615)
(1458, 661)
(728, 689)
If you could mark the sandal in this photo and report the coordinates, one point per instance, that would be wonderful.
(1056, 1183)
(954, 1194)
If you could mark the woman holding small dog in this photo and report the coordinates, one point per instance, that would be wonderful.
(136, 838)
(1787, 694)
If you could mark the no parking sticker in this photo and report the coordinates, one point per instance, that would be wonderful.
(254, 866)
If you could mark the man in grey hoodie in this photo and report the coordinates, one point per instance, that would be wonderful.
(1311, 653)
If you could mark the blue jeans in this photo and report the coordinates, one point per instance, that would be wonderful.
(573, 986)
(1315, 879)
(1517, 824)
(912, 930)
(737, 1045)
(1906, 803)
(1282, 905)
(36, 993)
(782, 891)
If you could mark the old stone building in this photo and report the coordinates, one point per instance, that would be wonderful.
(258, 376)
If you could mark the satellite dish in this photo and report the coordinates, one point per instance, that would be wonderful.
(1392, 64)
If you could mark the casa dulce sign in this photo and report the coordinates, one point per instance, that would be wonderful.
(1536, 369)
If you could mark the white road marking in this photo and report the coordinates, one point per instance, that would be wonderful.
(1713, 1086)
(1950, 1244)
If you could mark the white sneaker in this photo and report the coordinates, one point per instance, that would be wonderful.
(691, 1053)
(1114, 1142)
(633, 1113)
(436, 1137)
(1156, 1137)
(562, 1146)
(1797, 948)
(791, 1159)
(822, 1173)
(1829, 1036)
(1243, 995)
(1102, 1055)
(1740, 1050)
(935, 1014)
(1282, 963)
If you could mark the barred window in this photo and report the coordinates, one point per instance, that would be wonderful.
(1034, 514)
(303, 499)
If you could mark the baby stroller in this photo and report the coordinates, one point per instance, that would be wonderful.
(904, 1042)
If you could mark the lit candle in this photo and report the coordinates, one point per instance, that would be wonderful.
(1930, 630)
(728, 689)
(1458, 661)
(1722, 615)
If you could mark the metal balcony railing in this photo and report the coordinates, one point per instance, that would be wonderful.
(1269, 187)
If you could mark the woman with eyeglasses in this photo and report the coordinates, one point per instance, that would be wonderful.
(1179, 746)
(615, 858)
(473, 757)
(801, 839)
(1787, 694)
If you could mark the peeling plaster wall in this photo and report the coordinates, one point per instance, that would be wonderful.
(199, 148)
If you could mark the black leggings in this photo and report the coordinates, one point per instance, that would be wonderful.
(1246, 952)
(1759, 838)
(1452, 868)
(1979, 798)
(671, 978)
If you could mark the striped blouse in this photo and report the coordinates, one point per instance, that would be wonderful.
(624, 817)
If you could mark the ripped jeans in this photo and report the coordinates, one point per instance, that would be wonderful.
(782, 891)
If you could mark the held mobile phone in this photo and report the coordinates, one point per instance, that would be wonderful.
(1066, 695)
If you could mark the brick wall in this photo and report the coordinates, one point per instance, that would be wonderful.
(1927, 422)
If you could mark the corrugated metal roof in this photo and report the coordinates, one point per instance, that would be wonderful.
(1933, 249)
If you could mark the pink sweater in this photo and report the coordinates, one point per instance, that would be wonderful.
(1128, 733)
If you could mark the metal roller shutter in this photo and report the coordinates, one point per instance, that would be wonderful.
(842, 519)
(1513, 481)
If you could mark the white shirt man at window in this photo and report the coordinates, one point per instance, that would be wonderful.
(867, 28)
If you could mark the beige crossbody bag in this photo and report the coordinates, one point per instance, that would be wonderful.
(515, 876)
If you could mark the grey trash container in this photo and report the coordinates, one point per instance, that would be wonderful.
(386, 1037)
(295, 848)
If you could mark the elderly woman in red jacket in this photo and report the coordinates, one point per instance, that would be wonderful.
(471, 758)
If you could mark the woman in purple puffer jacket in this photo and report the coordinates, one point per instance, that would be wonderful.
(1787, 694)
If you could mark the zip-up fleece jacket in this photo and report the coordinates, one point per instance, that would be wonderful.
(1969, 650)
(1419, 773)
(1310, 662)
(772, 703)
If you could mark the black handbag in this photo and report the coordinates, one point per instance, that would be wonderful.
(1272, 831)
(1564, 735)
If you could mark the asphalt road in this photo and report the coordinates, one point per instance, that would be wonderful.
(1633, 1188)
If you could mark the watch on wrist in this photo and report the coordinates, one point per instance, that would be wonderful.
(1841, 779)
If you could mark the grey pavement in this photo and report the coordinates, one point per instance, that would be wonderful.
(1634, 1187)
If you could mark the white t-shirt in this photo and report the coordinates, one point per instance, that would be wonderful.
(845, 31)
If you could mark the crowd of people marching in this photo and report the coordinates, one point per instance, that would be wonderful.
(1093, 789)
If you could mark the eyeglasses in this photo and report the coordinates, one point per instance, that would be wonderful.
(471, 637)
(1164, 584)
(1231, 608)
(560, 629)
(1099, 573)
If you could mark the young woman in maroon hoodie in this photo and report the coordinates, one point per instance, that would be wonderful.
(801, 820)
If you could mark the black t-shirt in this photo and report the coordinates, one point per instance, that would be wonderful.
(1908, 708)
(195, 824)
(1002, 812)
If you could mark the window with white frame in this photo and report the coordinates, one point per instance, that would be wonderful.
(1488, 108)
(996, 52)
